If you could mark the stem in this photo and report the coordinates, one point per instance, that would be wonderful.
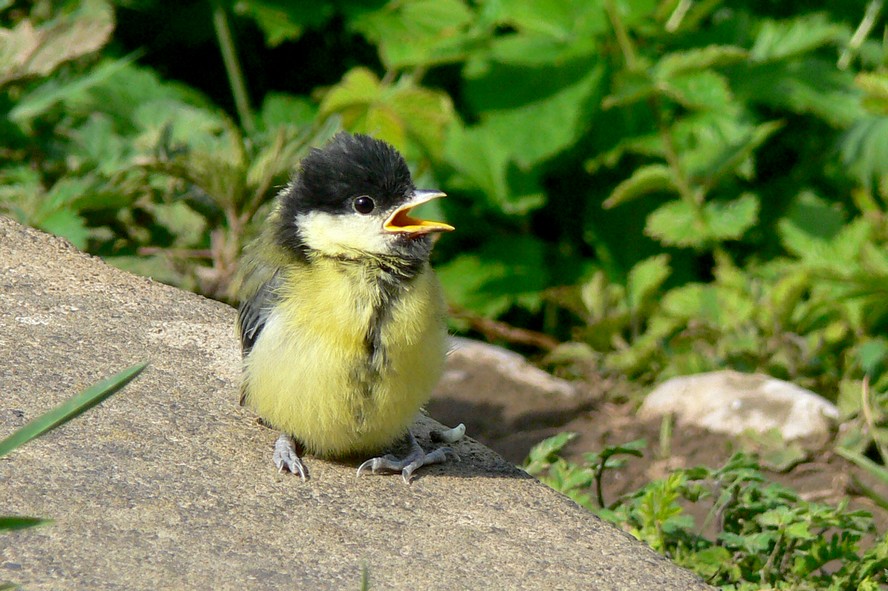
(232, 67)
(863, 30)
(622, 34)
(599, 473)
(694, 198)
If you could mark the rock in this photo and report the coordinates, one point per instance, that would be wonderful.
(504, 401)
(731, 402)
(169, 484)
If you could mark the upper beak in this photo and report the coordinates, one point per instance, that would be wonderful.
(401, 222)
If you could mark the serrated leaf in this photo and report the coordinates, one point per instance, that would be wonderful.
(730, 220)
(645, 180)
(699, 90)
(421, 32)
(630, 87)
(503, 272)
(645, 278)
(285, 20)
(692, 60)
(782, 39)
(864, 148)
(54, 91)
(734, 154)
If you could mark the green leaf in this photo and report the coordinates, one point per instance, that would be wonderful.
(808, 86)
(733, 154)
(54, 90)
(646, 278)
(864, 148)
(778, 40)
(67, 224)
(70, 409)
(10, 522)
(504, 272)
(483, 162)
(645, 180)
(692, 60)
(730, 220)
(285, 20)
(560, 19)
(677, 223)
(421, 32)
(699, 90)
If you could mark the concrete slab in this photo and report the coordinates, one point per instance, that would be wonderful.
(168, 484)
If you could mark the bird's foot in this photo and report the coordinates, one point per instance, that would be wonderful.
(285, 456)
(417, 458)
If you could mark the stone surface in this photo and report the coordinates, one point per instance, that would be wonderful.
(732, 402)
(168, 484)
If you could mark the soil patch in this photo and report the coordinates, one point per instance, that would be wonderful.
(511, 422)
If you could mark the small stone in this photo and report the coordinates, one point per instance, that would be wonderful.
(731, 402)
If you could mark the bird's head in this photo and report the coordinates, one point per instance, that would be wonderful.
(352, 198)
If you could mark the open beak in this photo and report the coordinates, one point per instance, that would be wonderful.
(400, 221)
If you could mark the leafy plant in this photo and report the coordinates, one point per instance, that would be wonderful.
(755, 534)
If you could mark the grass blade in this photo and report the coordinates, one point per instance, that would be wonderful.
(9, 522)
(71, 408)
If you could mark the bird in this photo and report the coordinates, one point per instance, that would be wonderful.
(342, 320)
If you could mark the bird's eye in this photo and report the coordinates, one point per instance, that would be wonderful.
(364, 204)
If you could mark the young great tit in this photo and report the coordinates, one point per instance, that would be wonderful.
(342, 321)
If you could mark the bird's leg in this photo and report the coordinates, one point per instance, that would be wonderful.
(417, 458)
(285, 456)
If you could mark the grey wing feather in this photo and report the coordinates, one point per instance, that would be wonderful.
(254, 311)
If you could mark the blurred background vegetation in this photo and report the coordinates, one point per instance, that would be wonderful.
(641, 188)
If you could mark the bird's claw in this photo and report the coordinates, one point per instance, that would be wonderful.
(285, 456)
(417, 458)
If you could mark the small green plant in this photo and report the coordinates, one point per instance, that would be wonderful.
(756, 534)
(59, 415)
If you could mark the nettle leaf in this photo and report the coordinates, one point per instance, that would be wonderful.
(286, 110)
(807, 86)
(840, 252)
(504, 272)
(285, 20)
(67, 224)
(563, 19)
(546, 108)
(699, 90)
(730, 220)
(483, 162)
(733, 155)
(646, 278)
(421, 32)
(535, 49)
(782, 39)
(403, 114)
(864, 148)
(645, 180)
(679, 224)
(696, 59)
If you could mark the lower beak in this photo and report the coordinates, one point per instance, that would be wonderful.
(401, 222)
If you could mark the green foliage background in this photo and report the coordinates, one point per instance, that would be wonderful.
(669, 186)
(642, 188)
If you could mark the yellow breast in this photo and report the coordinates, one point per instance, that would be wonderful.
(339, 366)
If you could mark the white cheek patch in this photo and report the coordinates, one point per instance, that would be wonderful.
(342, 234)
